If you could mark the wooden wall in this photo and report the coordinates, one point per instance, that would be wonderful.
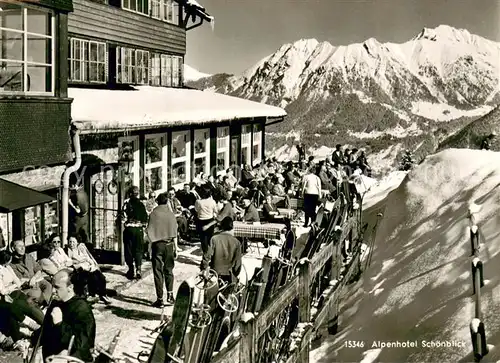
(91, 19)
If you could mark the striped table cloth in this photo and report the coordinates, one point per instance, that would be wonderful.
(264, 231)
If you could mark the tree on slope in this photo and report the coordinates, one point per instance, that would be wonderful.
(407, 161)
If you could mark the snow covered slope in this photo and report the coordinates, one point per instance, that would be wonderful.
(418, 286)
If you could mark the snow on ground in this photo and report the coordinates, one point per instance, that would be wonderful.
(383, 162)
(398, 131)
(382, 188)
(444, 112)
(418, 285)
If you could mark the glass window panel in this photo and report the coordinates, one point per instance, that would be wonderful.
(32, 225)
(39, 22)
(200, 165)
(39, 79)
(93, 72)
(256, 154)
(133, 4)
(11, 77)
(126, 4)
(101, 53)
(179, 140)
(221, 161)
(154, 149)
(200, 140)
(12, 45)
(257, 128)
(101, 72)
(244, 155)
(179, 172)
(93, 51)
(11, 16)
(154, 179)
(39, 49)
(234, 150)
(51, 218)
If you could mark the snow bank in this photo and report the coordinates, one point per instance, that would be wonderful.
(149, 107)
(418, 285)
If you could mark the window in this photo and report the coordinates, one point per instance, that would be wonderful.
(154, 170)
(137, 6)
(166, 70)
(201, 151)
(246, 147)
(87, 61)
(257, 144)
(222, 149)
(176, 71)
(134, 169)
(132, 66)
(156, 69)
(180, 157)
(168, 11)
(28, 50)
(156, 9)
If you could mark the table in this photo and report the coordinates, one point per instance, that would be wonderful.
(261, 231)
(287, 212)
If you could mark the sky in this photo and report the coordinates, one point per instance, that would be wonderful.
(246, 31)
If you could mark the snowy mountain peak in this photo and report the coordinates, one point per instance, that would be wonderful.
(446, 33)
(191, 74)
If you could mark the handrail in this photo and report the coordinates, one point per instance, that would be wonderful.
(477, 329)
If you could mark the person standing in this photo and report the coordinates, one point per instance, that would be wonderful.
(206, 212)
(311, 190)
(78, 212)
(69, 316)
(223, 253)
(133, 234)
(162, 232)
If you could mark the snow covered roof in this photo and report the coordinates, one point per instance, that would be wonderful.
(97, 110)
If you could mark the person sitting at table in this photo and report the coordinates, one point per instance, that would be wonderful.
(246, 176)
(34, 285)
(269, 209)
(251, 214)
(231, 179)
(255, 194)
(279, 192)
(227, 209)
(186, 197)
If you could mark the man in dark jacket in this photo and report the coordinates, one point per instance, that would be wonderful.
(224, 253)
(162, 231)
(30, 273)
(186, 197)
(78, 212)
(251, 212)
(69, 316)
(338, 156)
(136, 218)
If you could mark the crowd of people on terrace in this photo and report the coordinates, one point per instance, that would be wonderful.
(206, 207)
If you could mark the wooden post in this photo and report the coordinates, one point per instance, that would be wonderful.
(305, 291)
(305, 303)
(248, 344)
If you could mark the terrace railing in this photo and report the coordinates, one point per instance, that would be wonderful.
(313, 293)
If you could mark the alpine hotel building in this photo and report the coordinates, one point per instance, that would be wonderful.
(113, 70)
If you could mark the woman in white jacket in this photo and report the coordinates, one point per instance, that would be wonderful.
(311, 190)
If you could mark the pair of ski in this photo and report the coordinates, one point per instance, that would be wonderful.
(199, 323)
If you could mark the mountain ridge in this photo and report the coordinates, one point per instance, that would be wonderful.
(348, 90)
